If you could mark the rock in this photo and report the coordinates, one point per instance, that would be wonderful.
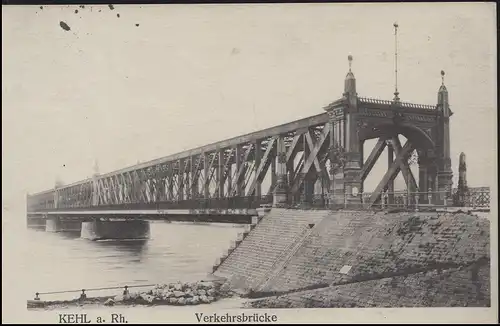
(189, 300)
(202, 292)
(204, 299)
(196, 299)
(178, 287)
(172, 300)
(148, 298)
(210, 299)
(169, 294)
(178, 294)
(211, 292)
(188, 293)
(121, 298)
(181, 301)
(225, 287)
(109, 302)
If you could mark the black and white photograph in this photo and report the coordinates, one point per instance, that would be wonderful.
(235, 163)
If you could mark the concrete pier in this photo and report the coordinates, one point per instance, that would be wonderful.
(57, 225)
(36, 223)
(115, 229)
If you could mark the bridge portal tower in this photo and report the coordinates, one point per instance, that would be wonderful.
(354, 119)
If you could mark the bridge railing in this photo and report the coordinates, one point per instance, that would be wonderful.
(402, 104)
(474, 198)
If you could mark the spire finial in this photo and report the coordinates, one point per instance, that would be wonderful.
(396, 93)
(349, 57)
(442, 77)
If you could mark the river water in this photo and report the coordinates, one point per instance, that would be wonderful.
(175, 252)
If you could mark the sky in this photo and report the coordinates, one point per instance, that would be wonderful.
(160, 79)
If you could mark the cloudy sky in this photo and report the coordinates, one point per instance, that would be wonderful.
(161, 79)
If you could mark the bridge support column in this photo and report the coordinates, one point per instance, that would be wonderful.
(352, 181)
(280, 197)
(115, 230)
(307, 195)
(36, 222)
(56, 224)
(422, 181)
(390, 184)
(346, 153)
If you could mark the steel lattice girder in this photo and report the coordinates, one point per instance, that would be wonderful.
(392, 171)
(171, 177)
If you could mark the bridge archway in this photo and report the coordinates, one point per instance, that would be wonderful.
(419, 147)
(426, 127)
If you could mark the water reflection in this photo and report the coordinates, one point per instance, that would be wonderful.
(69, 235)
(133, 247)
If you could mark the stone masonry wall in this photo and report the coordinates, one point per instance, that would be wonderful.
(255, 257)
(454, 287)
(381, 245)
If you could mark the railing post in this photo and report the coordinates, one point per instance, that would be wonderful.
(416, 201)
(429, 196)
(405, 200)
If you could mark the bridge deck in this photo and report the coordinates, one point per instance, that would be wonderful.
(248, 212)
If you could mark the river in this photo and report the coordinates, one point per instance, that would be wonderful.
(175, 252)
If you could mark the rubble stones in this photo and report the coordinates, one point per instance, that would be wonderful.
(178, 294)
(175, 294)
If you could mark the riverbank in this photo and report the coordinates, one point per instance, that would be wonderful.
(173, 294)
(313, 259)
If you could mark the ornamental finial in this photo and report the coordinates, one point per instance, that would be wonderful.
(442, 77)
(349, 57)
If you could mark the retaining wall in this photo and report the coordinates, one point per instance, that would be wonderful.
(354, 256)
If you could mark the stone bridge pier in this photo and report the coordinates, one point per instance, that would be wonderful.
(58, 224)
(115, 229)
(97, 228)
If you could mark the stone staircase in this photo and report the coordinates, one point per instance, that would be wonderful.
(235, 243)
(263, 248)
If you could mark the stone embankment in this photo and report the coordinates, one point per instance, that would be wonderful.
(297, 259)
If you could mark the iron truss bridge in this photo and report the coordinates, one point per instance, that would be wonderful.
(317, 161)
